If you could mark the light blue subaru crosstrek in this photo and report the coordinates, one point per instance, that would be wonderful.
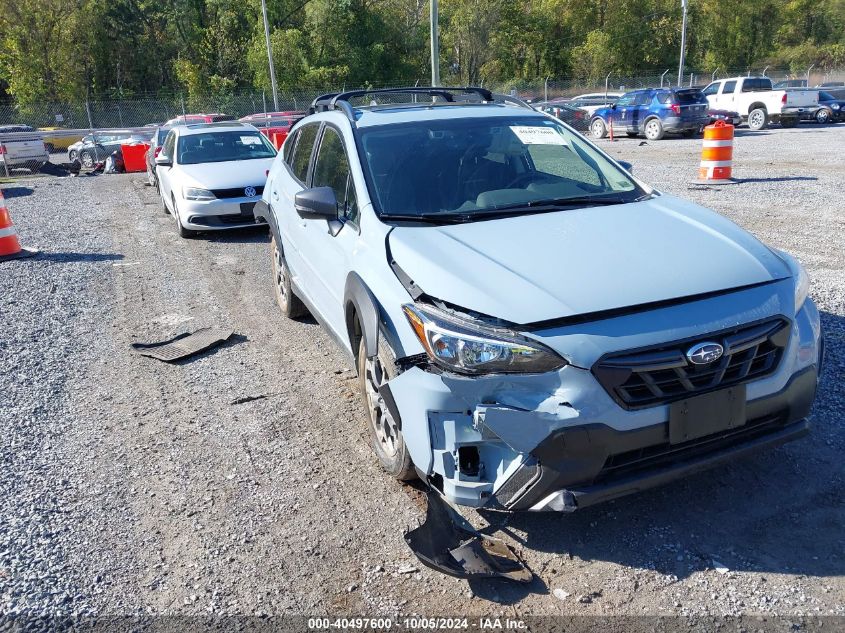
(533, 327)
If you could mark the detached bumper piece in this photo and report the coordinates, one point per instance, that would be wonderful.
(446, 542)
(183, 345)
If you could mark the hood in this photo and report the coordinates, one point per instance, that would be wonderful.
(227, 174)
(549, 266)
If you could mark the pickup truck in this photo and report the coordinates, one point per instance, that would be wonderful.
(21, 146)
(758, 103)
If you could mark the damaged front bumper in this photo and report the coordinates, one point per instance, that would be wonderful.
(559, 441)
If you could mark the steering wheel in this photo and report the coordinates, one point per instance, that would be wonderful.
(527, 178)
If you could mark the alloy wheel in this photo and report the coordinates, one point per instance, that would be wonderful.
(385, 427)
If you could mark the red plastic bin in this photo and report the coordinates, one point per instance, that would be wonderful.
(135, 156)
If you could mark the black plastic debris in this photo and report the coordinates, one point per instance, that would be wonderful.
(184, 345)
(446, 542)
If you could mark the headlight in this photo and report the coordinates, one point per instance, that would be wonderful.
(193, 193)
(834, 106)
(799, 278)
(469, 347)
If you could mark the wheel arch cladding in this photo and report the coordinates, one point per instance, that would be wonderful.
(360, 306)
(263, 211)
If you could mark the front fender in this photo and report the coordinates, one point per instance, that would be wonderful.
(359, 302)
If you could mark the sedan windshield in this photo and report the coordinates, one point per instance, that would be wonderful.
(475, 167)
(218, 147)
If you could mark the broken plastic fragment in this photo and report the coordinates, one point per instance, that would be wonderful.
(446, 542)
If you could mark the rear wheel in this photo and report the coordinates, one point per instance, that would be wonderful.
(598, 129)
(290, 305)
(758, 119)
(385, 434)
(653, 130)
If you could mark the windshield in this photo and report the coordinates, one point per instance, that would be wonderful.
(218, 147)
(470, 166)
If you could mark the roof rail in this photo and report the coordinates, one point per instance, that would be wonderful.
(340, 100)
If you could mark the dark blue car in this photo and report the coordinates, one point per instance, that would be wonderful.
(653, 112)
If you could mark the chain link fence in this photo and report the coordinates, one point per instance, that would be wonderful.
(148, 110)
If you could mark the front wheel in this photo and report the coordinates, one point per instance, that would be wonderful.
(598, 129)
(183, 232)
(653, 130)
(823, 116)
(758, 119)
(385, 434)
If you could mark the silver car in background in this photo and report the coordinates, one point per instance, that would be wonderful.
(211, 175)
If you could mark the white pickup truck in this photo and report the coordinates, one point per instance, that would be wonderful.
(755, 100)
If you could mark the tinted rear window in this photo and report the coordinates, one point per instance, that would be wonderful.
(689, 96)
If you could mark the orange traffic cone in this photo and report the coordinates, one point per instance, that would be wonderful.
(10, 248)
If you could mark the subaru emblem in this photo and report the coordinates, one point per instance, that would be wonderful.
(249, 192)
(704, 353)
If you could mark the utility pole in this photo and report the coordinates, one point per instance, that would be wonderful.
(683, 42)
(270, 55)
(435, 46)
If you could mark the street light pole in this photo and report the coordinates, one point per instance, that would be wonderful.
(270, 55)
(435, 46)
(683, 42)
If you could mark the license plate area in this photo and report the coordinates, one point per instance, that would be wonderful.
(706, 414)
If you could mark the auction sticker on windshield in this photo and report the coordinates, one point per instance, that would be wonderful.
(536, 135)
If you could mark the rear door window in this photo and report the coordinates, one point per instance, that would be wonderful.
(331, 169)
(729, 87)
(302, 152)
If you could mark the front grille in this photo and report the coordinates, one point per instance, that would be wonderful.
(662, 374)
(661, 455)
(236, 192)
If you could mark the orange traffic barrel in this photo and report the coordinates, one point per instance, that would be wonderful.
(10, 247)
(717, 153)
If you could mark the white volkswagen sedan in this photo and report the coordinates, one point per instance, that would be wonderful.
(211, 175)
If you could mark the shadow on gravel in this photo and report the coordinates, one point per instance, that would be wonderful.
(776, 179)
(780, 511)
(235, 339)
(17, 192)
(65, 258)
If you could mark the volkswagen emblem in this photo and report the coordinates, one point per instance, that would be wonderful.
(249, 192)
(704, 353)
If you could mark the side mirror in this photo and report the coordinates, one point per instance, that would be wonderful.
(612, 106)
(317, 203)
(626, 165)
(163, 161)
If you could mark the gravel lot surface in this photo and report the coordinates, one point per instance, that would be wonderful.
(131, 486)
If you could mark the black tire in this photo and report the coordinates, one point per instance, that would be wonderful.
(653, 129)
(87, 159)
(598, 129)
(789, 121)
(290, 305)
(183, 232)
(385, 434)
(71, 155)
(689, 133)
(758, 119)
(824, 116)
